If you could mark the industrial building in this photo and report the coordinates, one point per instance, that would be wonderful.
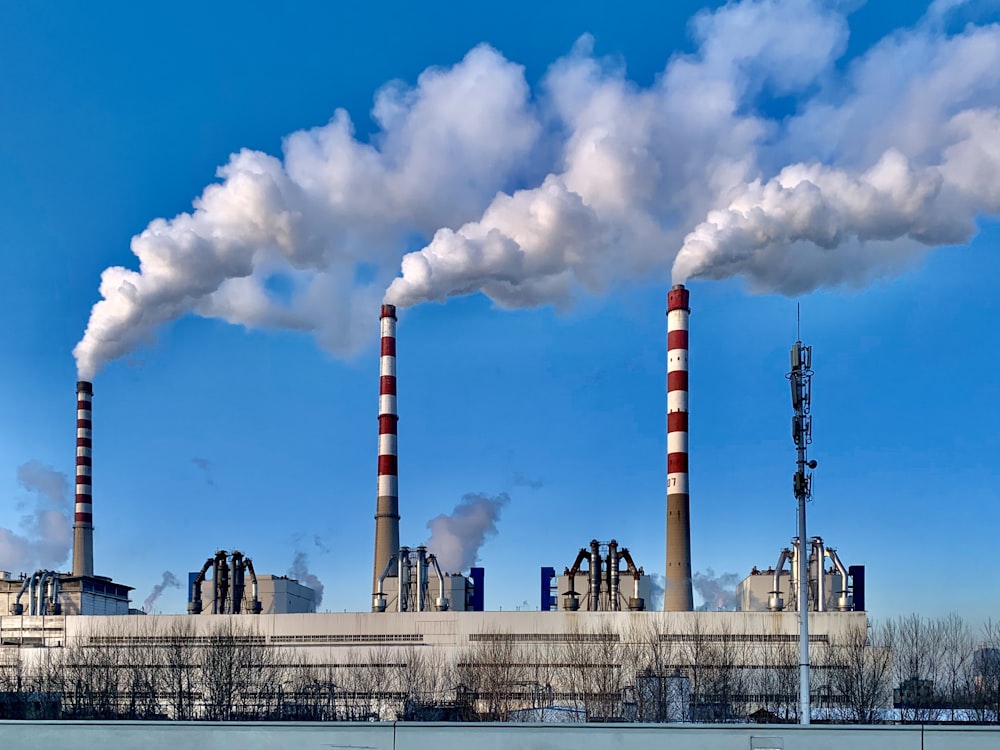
(598, 608)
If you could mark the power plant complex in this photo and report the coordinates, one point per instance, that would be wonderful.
(600, 603)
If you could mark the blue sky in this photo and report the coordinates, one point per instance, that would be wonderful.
(219, 435)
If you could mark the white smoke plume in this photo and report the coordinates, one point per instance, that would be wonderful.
(657, 588)
(311, 241)
(895, 153)
(592, 181)
(169, 579)
(300, 572)
(455, 539)
(45, 532)
(717, 592)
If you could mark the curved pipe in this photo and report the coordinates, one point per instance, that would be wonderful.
(843, 601)
(248, 565)
(31, 592)
(17, 608)
(636, 573)
(378, 598)
(194, 603)
(571, 574)
(775, 604)
(442, 601)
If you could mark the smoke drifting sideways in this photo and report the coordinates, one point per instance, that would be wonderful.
(169, 579)
(717, 592)
(299, 570)
(310, 242)
(884, 156)
(657, 588)
(45, 531)
(591, 182)
(456, 539)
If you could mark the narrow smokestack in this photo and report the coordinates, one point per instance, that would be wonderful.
(677, 596)
(83, 518)
(387, 504)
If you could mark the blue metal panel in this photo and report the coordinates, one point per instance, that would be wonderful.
(857, 574)
(547, 601)
(478, 598)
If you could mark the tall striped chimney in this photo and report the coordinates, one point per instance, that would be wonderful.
(677, 596)
(83, 517)
(387, 504)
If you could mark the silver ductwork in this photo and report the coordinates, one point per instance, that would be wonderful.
(819, 552)
(402, 595)
(613, 575)
(844, 603)
(595, 575)
(378, 599)
(774, 602)
(442, 603)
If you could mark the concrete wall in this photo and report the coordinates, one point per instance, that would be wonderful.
(418, 736)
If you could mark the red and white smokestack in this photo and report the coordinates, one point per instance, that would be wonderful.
(83, 517)
(677, 596)
(387, 504)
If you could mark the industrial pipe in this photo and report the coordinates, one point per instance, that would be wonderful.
(194, 604)
(844, 602)
(636, 603)
(774, 602)
(378, 597)
(820, 552)
(442, 602)
(421, 571)
(571, 601)
(404, 580)
(222, 590)
(17, 608)
(595, 575)
(31, 592)
(236, 575)
(256, 607)
(56, 605)
(43, 579)
(613, 575)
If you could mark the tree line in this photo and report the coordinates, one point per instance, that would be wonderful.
(911, 669)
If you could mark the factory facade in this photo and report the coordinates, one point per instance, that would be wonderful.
(653, 666)
(593, 643)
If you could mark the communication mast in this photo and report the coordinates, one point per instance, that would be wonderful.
(800, 378)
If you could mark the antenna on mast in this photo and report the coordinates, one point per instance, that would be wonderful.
(800, 378)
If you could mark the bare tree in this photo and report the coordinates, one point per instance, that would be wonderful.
(858, 672)
(774, 680)
(180, 663)
(238, 673)
(918, 650)
(984, 688)
(956, 665)
(492, 670)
